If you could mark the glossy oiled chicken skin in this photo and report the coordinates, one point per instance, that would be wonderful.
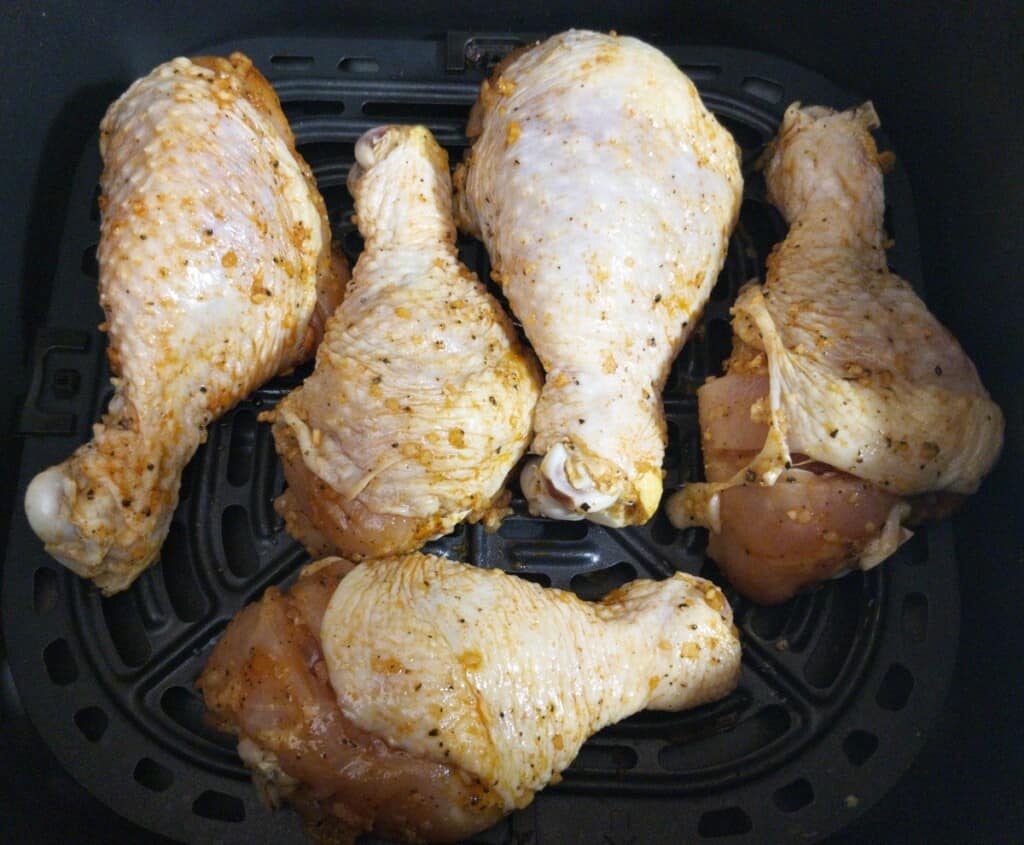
(422, 397)
(454, 693)
(605, 193)
(845, 400)
(215, 274)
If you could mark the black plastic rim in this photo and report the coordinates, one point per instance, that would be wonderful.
(838, 686)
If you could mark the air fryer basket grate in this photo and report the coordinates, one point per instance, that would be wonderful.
(837, 687)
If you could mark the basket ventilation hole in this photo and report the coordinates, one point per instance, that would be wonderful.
(94, 206)
(859, 746)
(740, 266)
(152, 775)
(613, 758)
(749, 736)
(185, 708)
(763, 89)
(536, 529)
(793, 796)
(179, 576)
(60, 663)
(769, 622)
(187, 478)
(90, 266)
(895, 689)
(836, 634)
(694, 464)
(663, 532)
(124, 624)
(243, 441)
(417, 111)
(291, 61)
(357, 64)
(917, 549)
(731, 821)
(591, 586)
(44, 590)
(352, 243)
(887, 222)
(915, 617)
(682, 373)
(305, 108)
(541, 578)
(719, 342)
(749, 138)
(763, 225)
(92, 722)
(219, 807)
(702, 72)
(673, 450)
(237, 538)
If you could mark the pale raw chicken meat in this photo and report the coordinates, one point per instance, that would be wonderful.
(605, 193)
(216, 273)
(422, 397)
(847, 409)
(423, 699)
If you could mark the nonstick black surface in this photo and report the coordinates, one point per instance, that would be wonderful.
(839, 687)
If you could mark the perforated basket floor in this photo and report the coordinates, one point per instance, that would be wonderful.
(838, 686)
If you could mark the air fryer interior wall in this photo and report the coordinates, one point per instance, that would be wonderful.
(945, 85)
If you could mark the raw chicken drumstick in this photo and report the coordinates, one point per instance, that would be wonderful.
(422, 397)
(423, 699)
(605, 193)
(216, 273)
(845, 403)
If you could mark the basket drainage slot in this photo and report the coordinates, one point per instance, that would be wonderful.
(731, 821)
(243, 442)
(219, 807)
(238, 545)
(416, 111)
(179, 575)
(763, 89)
(44, 590)
(895, 689)
(60, 663)
(859, 746)
(793, 796)
(615, 758)
(533, 529)
(186, 709)
(591, 586)
(358, 64)
(90, 264)
(915, 617)
(152, 775)
(127, 632)
(663, 532)
(291, 61)
(541, 578)
(92, 722)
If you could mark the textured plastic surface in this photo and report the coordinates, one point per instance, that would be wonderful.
(837, 685)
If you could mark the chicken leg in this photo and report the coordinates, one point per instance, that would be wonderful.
(215, 274)
(423, 699)
(847, 408)
(605, 193)
(422, 398)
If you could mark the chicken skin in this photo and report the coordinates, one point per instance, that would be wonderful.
(216, 273)
(605, 194)
(423, 699)
(847, 409)
(422, 398)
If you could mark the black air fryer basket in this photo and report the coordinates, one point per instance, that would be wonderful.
(880, 707)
